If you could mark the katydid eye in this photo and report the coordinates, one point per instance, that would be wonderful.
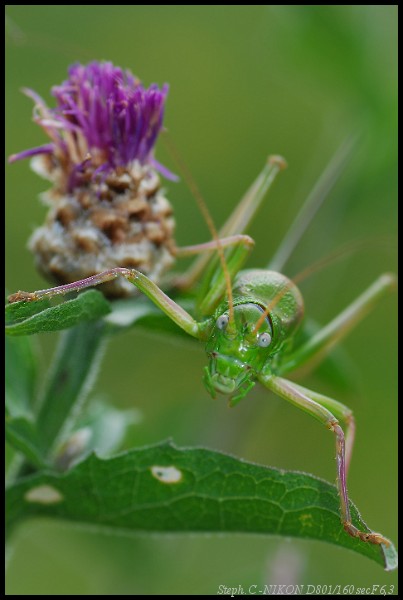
(264, 340)
(222, 322)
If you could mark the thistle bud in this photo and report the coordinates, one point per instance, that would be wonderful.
(106, 206)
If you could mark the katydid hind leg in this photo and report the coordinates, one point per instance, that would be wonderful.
(214, 284)
(242, 215)
(186, 280)
(337, 368)
(313, 202)
(320, 344)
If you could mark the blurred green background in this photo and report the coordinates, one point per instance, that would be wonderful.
(245, 81)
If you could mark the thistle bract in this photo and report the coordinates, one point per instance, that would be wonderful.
(106, 206)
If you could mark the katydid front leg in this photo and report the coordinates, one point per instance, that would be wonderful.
(300, 398)
(175, 312)
(214, 283)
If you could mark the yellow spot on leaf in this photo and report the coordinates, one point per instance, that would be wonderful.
(306, 520)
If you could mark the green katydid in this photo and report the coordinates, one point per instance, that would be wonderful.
(247, 319)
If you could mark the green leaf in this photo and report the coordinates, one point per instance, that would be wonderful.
(108, 426)
(168, 489)
(21, 374)
(22, 436)
(140, 312)
(19, 311)
(27, 318)
(101, 430)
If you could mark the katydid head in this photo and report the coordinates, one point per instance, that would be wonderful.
(236, 352)
(267, 310)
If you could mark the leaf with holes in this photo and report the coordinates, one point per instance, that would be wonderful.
(169, 489)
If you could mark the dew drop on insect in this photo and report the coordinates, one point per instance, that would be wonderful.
(264, 340)
(44, 494)
(167, 474)
(222, 322)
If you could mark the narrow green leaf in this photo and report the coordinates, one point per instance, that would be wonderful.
(22, 436)
(21, 374)
(27, 318)
(168, 489)
(70, 379)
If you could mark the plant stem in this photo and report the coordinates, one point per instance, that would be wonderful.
(70, 379)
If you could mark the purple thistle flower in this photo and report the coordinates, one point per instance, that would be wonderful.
(106, 205)
(104, 119)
